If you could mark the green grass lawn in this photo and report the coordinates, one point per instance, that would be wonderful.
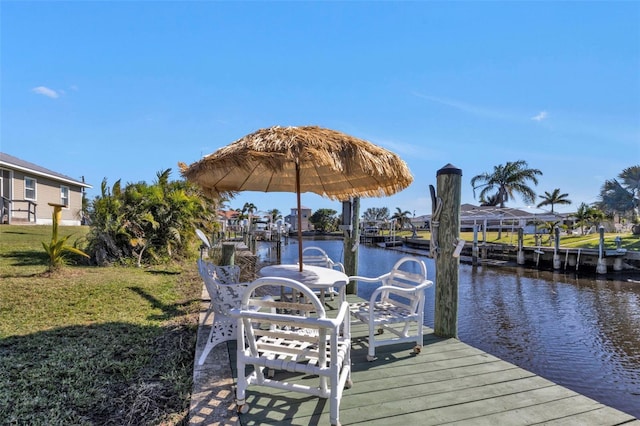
(91, 345)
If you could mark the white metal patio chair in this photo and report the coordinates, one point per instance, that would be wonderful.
(397, 306)
(221, 274)
(296, 337)
(225, 292)
(316, 256)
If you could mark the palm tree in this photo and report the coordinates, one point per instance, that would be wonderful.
(401, 217)
(249, 208)
(507, 179)
(631, 179)
(581, 216)
(624, 195)
(490, 201)
(550, 199)
(550, 227)
(588, 216)
(274, 215)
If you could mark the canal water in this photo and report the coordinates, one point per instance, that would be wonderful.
(582, 333)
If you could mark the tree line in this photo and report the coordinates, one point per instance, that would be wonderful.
(618, 197)
(140, 223)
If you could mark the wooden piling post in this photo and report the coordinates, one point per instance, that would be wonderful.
(601, 268)
(520, 255)
(351, 241)
(228, 254)
(449, 180)
(474, 249)
(556, 248)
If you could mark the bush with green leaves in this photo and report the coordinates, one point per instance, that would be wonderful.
(145, 223)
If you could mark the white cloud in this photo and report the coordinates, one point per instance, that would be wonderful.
(45, 91)
(541, 116)
(466, 107)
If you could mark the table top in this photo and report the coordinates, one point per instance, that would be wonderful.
(311, 276)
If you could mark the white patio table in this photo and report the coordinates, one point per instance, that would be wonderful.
(314, 277)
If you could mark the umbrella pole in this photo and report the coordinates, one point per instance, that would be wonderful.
(299, 216)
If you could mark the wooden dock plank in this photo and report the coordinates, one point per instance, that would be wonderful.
(600, 416)
(456, 378)
(361, 398)
(577, 409)
(448, 382)
(445, 406)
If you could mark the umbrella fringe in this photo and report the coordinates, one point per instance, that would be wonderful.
(333, 165)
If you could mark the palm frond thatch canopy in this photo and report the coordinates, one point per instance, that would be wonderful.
(299, 160)
(331, 164)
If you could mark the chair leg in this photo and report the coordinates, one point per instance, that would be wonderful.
(220, 332)
(334, 395)
(206, 315)
(241, 388)
(371, 356)
(334, 408)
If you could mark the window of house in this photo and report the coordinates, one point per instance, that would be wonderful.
(5, 183)
(64, 196)
(29, 188)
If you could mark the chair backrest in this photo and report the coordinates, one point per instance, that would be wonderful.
(228, 296)
(408, 272)
(227, 274)
(223, 285)
(207, 273)
(306, 302)
(315, 256)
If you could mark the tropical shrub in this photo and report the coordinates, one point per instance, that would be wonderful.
(57, 249)
(144, 223)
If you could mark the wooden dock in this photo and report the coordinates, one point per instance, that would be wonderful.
(450, 382)
(569, 259)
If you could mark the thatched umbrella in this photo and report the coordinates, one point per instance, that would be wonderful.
(301, 159)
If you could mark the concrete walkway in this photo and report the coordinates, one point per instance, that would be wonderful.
(212, 399)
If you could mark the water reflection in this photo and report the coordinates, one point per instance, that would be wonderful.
(582, 333)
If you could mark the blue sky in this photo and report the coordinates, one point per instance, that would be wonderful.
(123, 90)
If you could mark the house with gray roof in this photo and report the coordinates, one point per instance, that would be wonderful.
(30, 192)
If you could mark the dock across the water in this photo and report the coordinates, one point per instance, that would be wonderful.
(562, 259)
